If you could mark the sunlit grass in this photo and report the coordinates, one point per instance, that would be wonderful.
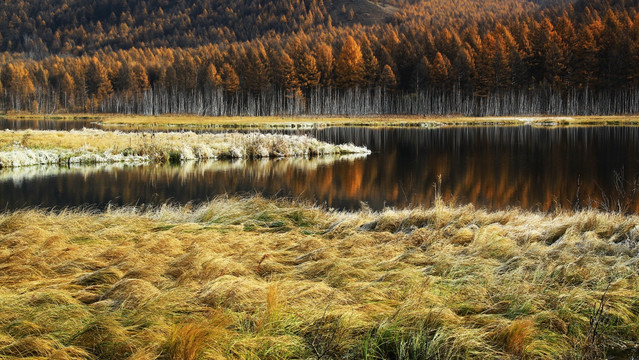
(255, 278)
(35, 147)
(168, 121)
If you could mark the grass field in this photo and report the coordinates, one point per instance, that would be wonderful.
(192, 121)
(255, 278)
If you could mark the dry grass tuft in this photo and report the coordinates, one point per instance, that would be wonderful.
(24, 328)
(187, 342)
(131, 292)
(193, 340)
(30, 346)
(237, 293)
(105, 338)
(105, 276)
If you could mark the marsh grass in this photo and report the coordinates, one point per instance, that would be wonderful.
(173, 121)
(34, 147)
(307, 122)
(273, 279)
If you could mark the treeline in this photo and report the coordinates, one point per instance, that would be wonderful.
(571, 58)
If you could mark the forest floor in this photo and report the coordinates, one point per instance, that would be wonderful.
(273, 279)
(195, 122)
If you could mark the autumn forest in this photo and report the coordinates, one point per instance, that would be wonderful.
(320, 57)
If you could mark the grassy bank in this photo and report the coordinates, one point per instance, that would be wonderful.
(252, 278)
(168, 121)
(277, 122)
(34, 147)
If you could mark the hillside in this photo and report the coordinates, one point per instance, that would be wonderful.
(77, 26)
(363, 12)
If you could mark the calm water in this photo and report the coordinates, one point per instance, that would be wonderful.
(13, 124)
(492, 167)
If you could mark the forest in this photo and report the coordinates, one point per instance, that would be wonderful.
(314, 57)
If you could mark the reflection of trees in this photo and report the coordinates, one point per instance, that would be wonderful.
(19, 175)
(492, 167)
(99, 185)
(36, 124)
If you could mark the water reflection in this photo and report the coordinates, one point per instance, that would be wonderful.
(98, 186)
(492, 167)
(18, 176)
(497, 167)
(50, 124)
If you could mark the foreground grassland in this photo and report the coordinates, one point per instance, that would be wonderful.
(253, 278)
(35, 147)
(275, 122)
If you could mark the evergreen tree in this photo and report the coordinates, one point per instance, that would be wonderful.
(309, 75)
(439, 70)
(68, 89)
(212, 79)
(97, 81)
(349, 68)
(388, 78)
(230, 81)
(140, 78)
(324, 56)
(285, 76)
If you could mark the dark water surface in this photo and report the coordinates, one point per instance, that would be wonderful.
(19, 124)
(492, 167)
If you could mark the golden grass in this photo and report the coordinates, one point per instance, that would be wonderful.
(170, 121)
(36, 147)
(186, 121)
(256, 278)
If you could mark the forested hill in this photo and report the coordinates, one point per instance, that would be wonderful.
(474, 57)
(78, 26)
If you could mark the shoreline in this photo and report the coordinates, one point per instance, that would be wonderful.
(242, 276)
(309, 122)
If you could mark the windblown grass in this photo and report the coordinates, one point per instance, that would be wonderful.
(32, 147)
(254, 278)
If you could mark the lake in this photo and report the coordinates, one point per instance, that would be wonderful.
(491, 167)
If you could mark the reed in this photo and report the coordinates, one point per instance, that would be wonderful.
(273, 279)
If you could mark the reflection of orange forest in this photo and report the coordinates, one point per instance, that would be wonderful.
(491, 167)
(339, 183)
